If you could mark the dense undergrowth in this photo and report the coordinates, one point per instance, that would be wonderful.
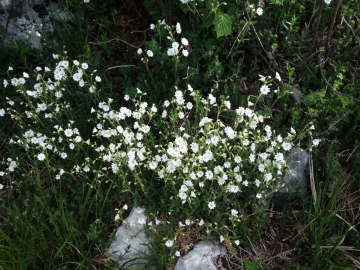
(189, 108)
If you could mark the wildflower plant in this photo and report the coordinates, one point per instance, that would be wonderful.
(210, 167)
(176, 47)
(191, 157)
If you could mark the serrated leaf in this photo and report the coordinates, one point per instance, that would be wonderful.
(222, 23)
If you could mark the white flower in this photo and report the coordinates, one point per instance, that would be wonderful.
(77, 76)
(234, 212)
(237, 159)
(279, 157)
(238, 177)
(117, 217)
(177, 253)
(86, 1)
(25, 75)
(194, 147)
(152, 165)
(68, 132)
(259, 11)
(259, 196)
(63, 155)
(184, 41)
(41, 156)
(268, 177)
(2, 112)
(316, 142)
(185, 53)
(327, 2)
(237, 242)
(212, 99)
(42, 107)
(209, 175)
(189, 105)
(98, 79)
(149, 53)
(139, 51)
(169, 243)
(261, 167)
(178, 28)
(227, 104)
(153, 108)
(211, 205)
(264, 90)
(181, 115)
(277, 76)
(152, 26)
(221, 238)
(230, 132)
(286, 146)
(84, 65)
(172, 52)
(232, 188)
(204, 121)
(5, 83)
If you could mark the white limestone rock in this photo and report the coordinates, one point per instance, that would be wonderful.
(298, 176)
(201, 257)
(130, 239)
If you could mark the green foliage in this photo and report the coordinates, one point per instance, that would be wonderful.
(55, 223)
(252, 265)
(222, 23)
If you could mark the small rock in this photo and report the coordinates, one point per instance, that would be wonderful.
(201, 257)
(26, 19)
(130, 239)
(298, 176)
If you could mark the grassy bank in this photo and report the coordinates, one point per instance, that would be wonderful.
(190, 109)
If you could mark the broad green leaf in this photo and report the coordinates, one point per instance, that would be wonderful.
(222, 23)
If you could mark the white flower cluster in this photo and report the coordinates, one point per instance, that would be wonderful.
(175, 46)
(202, 158)
(201, 153)
(45, 101)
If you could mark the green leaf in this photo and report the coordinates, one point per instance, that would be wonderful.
(207, 17)
(222, 23)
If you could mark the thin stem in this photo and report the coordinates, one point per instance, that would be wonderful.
(318, 19)
(331, 30)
